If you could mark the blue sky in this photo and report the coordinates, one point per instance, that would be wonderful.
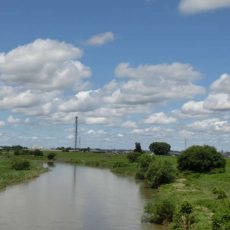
(143, 70)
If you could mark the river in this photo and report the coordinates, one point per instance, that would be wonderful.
(75, 198)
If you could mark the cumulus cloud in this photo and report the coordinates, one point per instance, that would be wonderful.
(194, 108)
(196, 6)
(101, 39)
(220, 101)
(155, 83)
(222, 84)
(212, 124)
(44, 64)
(129, 125)
(159, 118)
(2, 123)
(12, 120)
(83, 101)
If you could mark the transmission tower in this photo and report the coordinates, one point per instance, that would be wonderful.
(76, 127)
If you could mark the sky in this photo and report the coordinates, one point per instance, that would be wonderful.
(131, 70)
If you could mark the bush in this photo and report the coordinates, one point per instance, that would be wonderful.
(220, 193)
(200, 159)
(160, 172)
(184, 218)
(144, 162)
(160, 148)
(21, 165)
(221, 220)
(132, 157)
(161, 210)
(38, 152)
(51, 156)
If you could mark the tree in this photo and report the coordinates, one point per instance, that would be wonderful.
(201, 159)
(160, 148)
(138, 147)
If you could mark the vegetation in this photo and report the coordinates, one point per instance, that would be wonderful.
(138, 147)
(20, 164)
(160, 172)
(208, 193)
(133, 156)
(160, 211)
(160, 148)
(14, 169)
(51, 156)
(201, 159)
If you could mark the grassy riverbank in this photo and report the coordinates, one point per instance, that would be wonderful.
(118, 163)
(197, 188)
(9, 176)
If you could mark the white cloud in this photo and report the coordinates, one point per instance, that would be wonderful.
(12, 120)
(101, 39)
(222, 84)
(82, 102)
(129, 125)
(212, 124)
(2, 123)
(155, 83)
(44, 64)
(22, 99)
(196, 6)
(95, 120)
(159, 118)
(219, 101)
(194, 108)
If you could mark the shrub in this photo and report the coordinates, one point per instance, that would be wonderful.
(160, 172)
(161, 210)
(160, 148)
(51, 156)
(221, 220)
(21, 165)
(144, 162)
(132, 157)
(220, 193)
(38, 152)
(184, 218)
(200, 159)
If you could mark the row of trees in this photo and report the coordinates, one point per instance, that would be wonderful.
(195, 158)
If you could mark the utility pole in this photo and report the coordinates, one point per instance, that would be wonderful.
(76, 127)
(185, 143)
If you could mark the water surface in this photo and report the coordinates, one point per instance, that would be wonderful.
(74, 198)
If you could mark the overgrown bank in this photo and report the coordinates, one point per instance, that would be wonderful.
(17, 169)
(192, 201)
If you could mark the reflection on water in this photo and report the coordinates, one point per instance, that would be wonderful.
(74, 198)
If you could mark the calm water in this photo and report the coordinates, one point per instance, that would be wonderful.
(74, 198)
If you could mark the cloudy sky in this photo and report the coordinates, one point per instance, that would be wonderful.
(131, 70)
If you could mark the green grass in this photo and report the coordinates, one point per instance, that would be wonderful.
(118, 163)
(9, 176)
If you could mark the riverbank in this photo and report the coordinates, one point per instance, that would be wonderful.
(9, 176)
(118, 163)
(197, 188)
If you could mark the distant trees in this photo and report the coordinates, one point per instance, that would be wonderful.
(201, 159)
(160, 148)
(137, 152)
(138, 147)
